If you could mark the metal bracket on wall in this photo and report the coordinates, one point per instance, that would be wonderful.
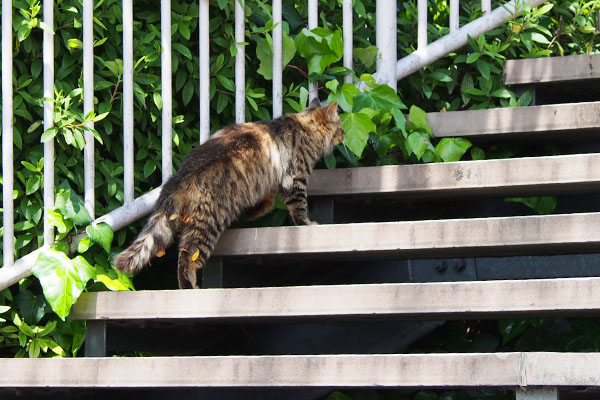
(95, 338)
(212, 273)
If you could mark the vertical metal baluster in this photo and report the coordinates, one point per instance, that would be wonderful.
(386, 42)
(240, 63)
(167, 90)
(204, 73)
(486, 6)
(422, 24)
(48, 61)
(88, 104)
(277, 61)
(348, 38)
(313, 14)
(454, 13)
(7, 135)
(128, 99)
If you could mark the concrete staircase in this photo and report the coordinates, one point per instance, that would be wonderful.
(396, 252)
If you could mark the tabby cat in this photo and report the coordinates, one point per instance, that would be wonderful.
(237, 169)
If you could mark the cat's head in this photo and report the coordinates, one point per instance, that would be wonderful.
(328, 118)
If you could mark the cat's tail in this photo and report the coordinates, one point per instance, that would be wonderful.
(156, 236)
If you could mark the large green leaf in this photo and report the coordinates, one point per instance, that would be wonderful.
(320, 47)
(357, 127)
(62, 279)
(381, 98)
(417, 119)
(346, 96)
(418, 143)
(452, 149)
(102, 234)
(264, 53)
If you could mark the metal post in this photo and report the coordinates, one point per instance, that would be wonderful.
(386, 42)
(323, 210)
(88, 104)
(7, 135)
(204, 73)
(422, 24)
(128, 99)
(212, 273)
(486, 6)
(454, 13)
(348, 38)
(48, 61)
(277, 60)
(313, 13)
(240, 63)
(95, 338)
(547, 393)
(167, 90)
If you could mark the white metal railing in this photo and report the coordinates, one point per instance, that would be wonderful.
(389, 70)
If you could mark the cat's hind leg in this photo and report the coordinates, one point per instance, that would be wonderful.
(262, 208)
(197, 241)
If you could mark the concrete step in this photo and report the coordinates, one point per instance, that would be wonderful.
(552, 69)
(524, 176)
(447, 300)
(517, 369)
(572, 119)
(434, 238)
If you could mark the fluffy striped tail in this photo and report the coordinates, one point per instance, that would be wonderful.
(156, 236)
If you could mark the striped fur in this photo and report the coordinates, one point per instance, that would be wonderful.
(236, 170)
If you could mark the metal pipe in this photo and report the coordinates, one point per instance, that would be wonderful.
(313, 14)
(88, 104)
(7, 136)
(348, 33)
(240, 63)
(204, 72)
(48, 62)
(128, 100)
(167, 90)
(277, 60)
(386, 36)
(454, 14)
(422, 24)
(441, 47)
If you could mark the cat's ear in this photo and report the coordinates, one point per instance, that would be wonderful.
(332, 108)
(315, 102)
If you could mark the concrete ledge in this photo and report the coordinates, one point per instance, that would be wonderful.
(508, 176)
(512, 121)
(552, 69)
(489, 236)
(407, 370)
(452, 300)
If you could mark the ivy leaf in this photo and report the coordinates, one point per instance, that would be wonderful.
(367, 56)
(509, 329)
(418, 143)
(320, 47)
(381, 98)
(357, 127)
(346, 96)
(31, 307)
(452, 149)
(417, 118)
(264, 53)
(542, 205)
(113, 279)
(62, 279)
(102, 234)
(329, 161)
